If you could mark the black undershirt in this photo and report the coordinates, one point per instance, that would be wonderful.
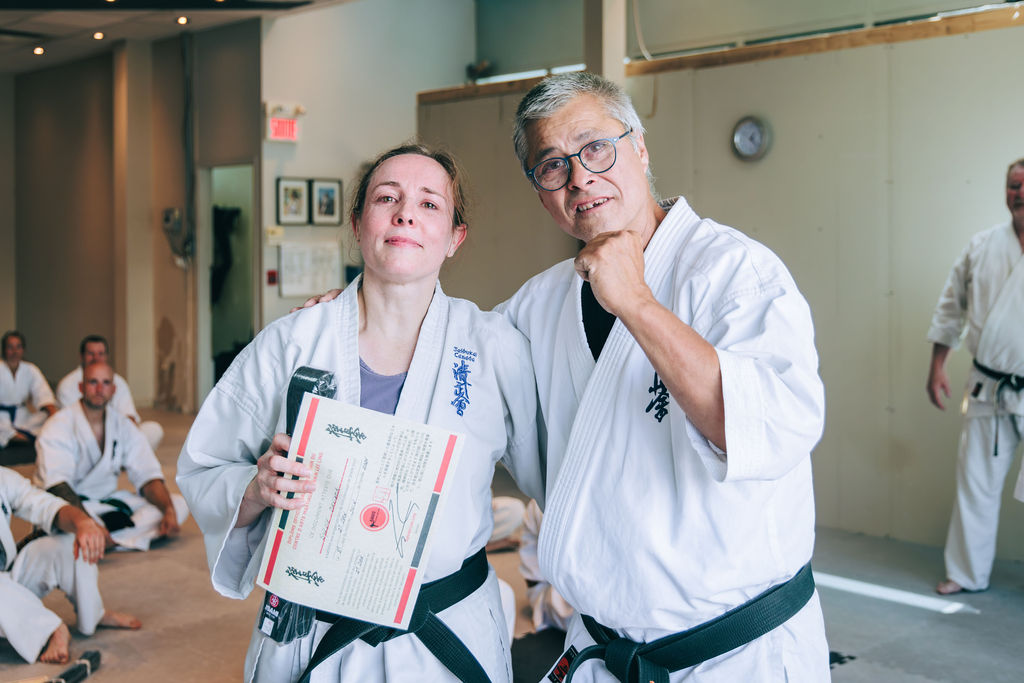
(597, 322)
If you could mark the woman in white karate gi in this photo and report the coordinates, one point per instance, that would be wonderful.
(391, 337)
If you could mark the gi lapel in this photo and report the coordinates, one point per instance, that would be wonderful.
(999, 346)
(574, 339)
(84, 435)
(424, 372)
(594, 416)
(347, 376)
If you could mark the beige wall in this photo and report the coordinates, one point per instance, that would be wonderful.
(227, 94)
(7, 280)
(63, 209)
(226, 131)
(508, 240)
(133, 339)
(173, 287)
(885, 161)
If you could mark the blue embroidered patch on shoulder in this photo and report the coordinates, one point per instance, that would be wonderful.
(460, 371)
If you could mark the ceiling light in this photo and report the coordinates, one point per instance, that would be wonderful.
(183, 20)
(98, 35)
(38, 50)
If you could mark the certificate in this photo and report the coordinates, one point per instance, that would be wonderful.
(358, 546)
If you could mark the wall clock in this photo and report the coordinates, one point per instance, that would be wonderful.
(750, 138)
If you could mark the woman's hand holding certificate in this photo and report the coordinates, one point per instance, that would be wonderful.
(356, 546)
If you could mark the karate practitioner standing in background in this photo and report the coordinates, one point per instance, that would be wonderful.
(984, 301)
(396, 344)
(677, 378)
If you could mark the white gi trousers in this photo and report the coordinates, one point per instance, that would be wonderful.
(43, 565)
(971, 541)
(145, 516)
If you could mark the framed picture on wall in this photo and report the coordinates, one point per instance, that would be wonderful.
(292, 201)
(325, 201)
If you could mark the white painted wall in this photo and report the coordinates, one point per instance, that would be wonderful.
(885, 161)
(356, 67)
(7, 279)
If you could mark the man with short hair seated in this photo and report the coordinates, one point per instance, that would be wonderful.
(66, 561)
(94, 349)
(82, 450)
(25, 398)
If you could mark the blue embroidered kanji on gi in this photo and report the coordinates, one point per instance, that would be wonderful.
(659, 404)
(460, 371)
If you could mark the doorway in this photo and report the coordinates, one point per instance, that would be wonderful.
(225, 260)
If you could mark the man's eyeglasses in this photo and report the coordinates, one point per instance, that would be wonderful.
(597, 157)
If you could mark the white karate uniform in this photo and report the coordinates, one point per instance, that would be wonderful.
(247, 407)
(67, 451)
(44, 564)
(26, 385)
(983, 302)
(68, 392)
(647, 528)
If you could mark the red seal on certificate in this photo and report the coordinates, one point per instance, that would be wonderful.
(374, 517)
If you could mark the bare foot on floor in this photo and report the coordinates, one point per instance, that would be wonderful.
(119, 620)
(948, 587)
(57, 650)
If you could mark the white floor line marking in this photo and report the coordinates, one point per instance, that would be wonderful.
(873, 590)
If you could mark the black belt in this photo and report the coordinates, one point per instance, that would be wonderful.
(1004, 380)
(632, 662)
(434, 597)
(10, 410)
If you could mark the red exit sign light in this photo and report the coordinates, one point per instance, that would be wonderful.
(282, 129)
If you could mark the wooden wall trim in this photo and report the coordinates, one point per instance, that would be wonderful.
(935, 27)
(1007, 16)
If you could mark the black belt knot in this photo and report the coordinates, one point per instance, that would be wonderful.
(632, 662)
(434, 597)
(1004, 380)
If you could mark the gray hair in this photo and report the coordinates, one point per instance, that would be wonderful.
(554, 92)
(1019, 162)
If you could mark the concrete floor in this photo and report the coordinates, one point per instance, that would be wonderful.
(190, 633)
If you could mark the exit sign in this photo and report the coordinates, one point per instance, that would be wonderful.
(282, 129)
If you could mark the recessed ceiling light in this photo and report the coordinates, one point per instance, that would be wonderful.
(182, 20)
(38, 50)
(98, 35)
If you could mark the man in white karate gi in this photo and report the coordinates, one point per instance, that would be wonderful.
(25, 398)
(82, 450)
(983, 301)
(677, 378)
(66, 561)
(94, 349)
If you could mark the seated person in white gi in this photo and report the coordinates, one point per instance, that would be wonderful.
(82, 450)
(392, 340)
(983, 301)
(65, 561)
(94, 349)
(25, 398)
